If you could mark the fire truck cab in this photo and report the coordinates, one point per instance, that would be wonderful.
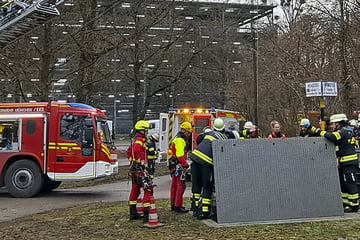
(199, 117)
(43, 144)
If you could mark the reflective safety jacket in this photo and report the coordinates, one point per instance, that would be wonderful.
(152, 152)
(344, 145)
(179, 150)
(203, 154)
(136, 153)
(276, 135)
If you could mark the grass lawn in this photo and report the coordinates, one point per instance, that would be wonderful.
(111, 221)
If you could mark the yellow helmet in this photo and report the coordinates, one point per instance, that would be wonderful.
(142, 125)
(187, 127)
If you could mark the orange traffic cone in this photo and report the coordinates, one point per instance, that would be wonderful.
(153, 217)
(140, 206)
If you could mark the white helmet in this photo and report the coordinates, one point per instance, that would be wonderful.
(248, 125)
(338, 118)
(155, 136)
(207, 130)
(219, 124)
(353, 123)
(304, 121)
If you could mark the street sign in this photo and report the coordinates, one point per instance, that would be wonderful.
(321, 89)
(329, 89)
(313, 89)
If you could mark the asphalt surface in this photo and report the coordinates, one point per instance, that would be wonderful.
(12, 208)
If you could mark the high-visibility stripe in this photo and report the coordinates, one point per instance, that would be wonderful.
(353, 196)
(171, 124)
(210, 138)
(203, 156)
(337, 135)
(106, 152)
(349, 158)
(206, 201)
(205, 208)
(132, 202)
(67, 144)
(322, 133)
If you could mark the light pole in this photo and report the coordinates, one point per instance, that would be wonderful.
(255, 70)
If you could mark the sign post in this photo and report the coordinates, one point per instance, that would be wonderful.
(321, 90)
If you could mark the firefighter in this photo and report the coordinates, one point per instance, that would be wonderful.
(353, 127)
(152, 152)
(304, 131)
(252, 129)
(178, 166)
(276, 130)
(348, 163)
(202, 171)
(202, 135)
(140, 178)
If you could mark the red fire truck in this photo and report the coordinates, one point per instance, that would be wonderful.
(42, 144)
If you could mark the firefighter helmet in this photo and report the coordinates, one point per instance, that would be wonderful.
(207, 129)
(187, 127)
(155, 136)
(304, 121)
(219, 124)
(248, 125)
(142, 125)
(353, 123)
(338, 118)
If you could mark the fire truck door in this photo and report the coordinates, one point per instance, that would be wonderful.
(164, 135)
(75, 158)
(33, 137)
(200, 122)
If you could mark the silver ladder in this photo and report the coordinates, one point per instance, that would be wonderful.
(27, 16)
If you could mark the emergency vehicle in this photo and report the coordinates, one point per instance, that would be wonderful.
(199, 117)
(42, 144)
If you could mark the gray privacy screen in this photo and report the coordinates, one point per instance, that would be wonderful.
(275, 179)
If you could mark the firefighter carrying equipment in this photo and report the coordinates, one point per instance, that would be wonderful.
(219, 124)
(142, 125)
(187, 127)
(338, 118)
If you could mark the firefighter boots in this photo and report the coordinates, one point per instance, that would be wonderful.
(134, 215)
(146, 216)
(181, 210)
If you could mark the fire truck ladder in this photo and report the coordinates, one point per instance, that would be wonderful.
(20, 17)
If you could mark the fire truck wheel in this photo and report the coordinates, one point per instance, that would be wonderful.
(49, 184)
(23, 179)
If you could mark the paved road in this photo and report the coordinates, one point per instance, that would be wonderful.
(12, 208)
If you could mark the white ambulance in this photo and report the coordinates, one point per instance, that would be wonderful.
(199, 117)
